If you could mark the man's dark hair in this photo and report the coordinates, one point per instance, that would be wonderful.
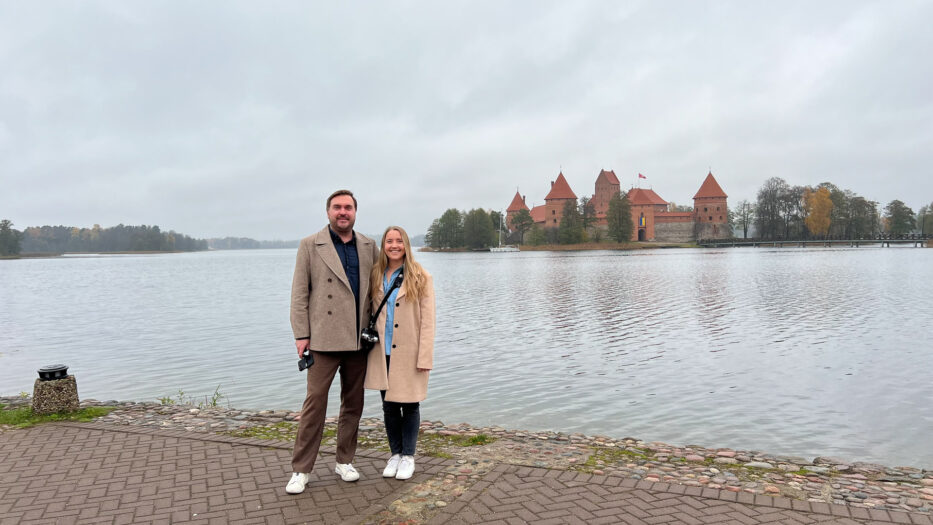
(339, 193)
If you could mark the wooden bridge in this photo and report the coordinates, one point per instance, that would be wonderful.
(914, 239)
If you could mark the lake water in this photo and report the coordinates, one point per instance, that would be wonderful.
(794, 351)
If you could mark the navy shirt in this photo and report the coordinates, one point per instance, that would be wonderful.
(350, 260)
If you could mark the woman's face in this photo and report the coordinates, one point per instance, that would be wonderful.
(394, 247)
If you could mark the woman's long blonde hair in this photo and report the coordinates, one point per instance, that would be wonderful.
(415, 277)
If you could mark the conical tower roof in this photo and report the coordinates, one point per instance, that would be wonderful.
(710, 188)
(560, 189)
(518, 203)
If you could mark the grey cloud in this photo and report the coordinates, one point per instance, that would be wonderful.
(239, 119)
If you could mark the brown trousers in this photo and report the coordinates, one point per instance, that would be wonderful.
(352, 367)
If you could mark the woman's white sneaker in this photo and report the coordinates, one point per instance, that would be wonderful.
(297, 484)
(347, 472)
(391, 466)
(406, 467)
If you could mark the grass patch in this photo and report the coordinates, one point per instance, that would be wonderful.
(602, 456)
(182, 398)
(437, 445)
(283, 431)
(23, 417)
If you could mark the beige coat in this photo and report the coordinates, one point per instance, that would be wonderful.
(322, 300)
(413, 348)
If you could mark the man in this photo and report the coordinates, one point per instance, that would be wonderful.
(330, 302)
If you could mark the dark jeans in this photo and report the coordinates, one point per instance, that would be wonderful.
(402, 420)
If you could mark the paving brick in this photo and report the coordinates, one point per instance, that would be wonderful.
(108, 474)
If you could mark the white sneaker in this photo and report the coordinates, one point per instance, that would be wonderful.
(392, 466)
(347, 472)
(296, 485)
(406, 467)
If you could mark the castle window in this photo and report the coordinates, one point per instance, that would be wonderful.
(720, 217)
(705, 209)
(555, 221)
(553, 212)
(710, 217)
(717, 209)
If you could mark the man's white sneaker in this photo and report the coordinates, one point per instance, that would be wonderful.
(347, 472)
(296, 485)
(392, 466)
(406, 467)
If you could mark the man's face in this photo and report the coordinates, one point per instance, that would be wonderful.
(341, 214)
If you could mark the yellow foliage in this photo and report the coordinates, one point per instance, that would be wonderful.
(819, 207)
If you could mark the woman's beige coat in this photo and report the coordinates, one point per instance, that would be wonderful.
(413, 347)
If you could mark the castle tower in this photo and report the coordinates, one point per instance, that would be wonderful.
(555, 200)
(607, 185)
(518, 203)
(711, 211)
(709, 203)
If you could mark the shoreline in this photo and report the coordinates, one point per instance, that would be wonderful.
(477, 450)
(582, 247)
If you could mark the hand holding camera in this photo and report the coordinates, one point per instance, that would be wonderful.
(306, 361)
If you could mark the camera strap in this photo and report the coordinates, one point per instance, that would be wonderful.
(395, 284)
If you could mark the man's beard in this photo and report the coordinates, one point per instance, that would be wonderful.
(336, 228)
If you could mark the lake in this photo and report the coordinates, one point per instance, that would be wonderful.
(815, 351)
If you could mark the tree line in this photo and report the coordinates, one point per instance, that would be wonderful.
(782, 211)
(246, 243)
(120, 238)
(478, 229)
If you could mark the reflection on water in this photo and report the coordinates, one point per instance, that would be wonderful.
(812, 351)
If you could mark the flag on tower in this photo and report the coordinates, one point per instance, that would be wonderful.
(640, 176)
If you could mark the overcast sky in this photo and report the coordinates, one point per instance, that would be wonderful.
(239, 118)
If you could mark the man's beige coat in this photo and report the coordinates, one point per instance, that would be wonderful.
(322, 300)
(412, 348)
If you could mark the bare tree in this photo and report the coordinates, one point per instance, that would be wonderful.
(744, 215)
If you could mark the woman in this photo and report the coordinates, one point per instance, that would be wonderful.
(400, 364)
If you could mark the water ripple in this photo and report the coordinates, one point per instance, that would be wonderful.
(791, 351)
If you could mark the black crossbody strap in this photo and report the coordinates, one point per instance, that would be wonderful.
(395, 284)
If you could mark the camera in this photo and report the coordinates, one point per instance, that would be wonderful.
(368, 338)
(306, 361)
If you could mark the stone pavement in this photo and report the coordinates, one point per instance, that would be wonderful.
(99, 473)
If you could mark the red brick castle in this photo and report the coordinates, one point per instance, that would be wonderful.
(650, 214)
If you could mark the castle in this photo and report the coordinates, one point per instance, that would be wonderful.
(650, 215)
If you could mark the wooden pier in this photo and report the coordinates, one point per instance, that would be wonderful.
(884, 241)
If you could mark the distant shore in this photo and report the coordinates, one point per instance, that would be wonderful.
(589, 246)
(52, 255)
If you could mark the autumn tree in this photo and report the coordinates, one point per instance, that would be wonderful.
(447, 231)
(522, 222)
(478, 230)
(619, 218)
(899, 218)
(9, 238)
(570, 229)
(497, 219)
(863, 217)
(587, 214)
(536, 235)
(819, 208)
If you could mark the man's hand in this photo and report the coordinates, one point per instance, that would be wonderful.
(302, 345)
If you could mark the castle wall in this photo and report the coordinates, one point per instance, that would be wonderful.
(712, 230)
(673, 231)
